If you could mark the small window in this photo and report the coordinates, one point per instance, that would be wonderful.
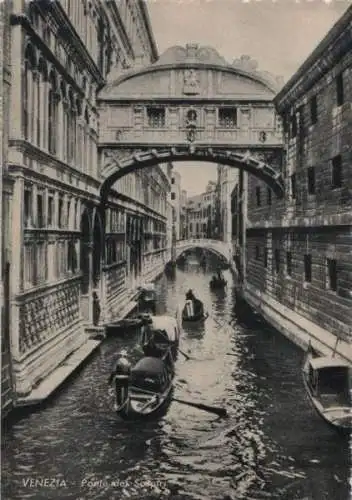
(265, 257)
(227, 117)
(257, 195)
(257, 252)
(308, 268)
(172, 180)
(173, 196)
(311, 180)
(293, 186)
(40, 210)
(50, 210)
(313, 110)
(156, 117)
(277, 260)
(339, 90)
(269, 196)
(293, 126)
(331, 274)
(60, 212)
(336, 179)
(289, 263)
(28, 208)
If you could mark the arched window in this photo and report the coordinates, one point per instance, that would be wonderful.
(28, 94)
(52, 114)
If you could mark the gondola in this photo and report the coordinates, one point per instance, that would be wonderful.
(326, 380)
(189, 316)
(217, 283)
(165, 330)
(142, 390)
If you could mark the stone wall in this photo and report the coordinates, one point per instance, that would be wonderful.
(299, 248)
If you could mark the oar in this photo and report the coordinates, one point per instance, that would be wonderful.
(221, 412)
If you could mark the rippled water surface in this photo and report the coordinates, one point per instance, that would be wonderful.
(272, 446)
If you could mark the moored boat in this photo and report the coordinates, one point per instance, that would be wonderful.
(327, 383)
(148, 297)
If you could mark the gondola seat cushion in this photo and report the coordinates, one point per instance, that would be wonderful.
(148, 367)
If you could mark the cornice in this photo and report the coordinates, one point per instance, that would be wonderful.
(146, 18)
(333, 47)
(153, 68)
(120, 27)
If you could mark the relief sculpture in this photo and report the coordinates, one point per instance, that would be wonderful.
(190, 82)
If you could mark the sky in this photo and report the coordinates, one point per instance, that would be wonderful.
(279, 34)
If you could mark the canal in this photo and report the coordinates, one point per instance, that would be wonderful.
(272, 446)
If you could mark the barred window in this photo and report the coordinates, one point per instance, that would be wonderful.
(28, 265)
(41, 267)
(156, 117)
(227, 117)
(28, 207)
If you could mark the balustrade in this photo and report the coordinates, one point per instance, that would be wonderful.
(44, 315)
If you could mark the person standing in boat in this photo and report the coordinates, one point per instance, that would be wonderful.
(220, 276)
(194, 306)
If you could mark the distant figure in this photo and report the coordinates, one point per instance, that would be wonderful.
(96, 309)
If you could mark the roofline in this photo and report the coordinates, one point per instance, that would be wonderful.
(339, 26)
(146, 17)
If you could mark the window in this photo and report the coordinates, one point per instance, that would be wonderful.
(172, 180)
(227, 117)
(173, 196)
(266, 257)
(308, 268)
(257, 252)
(60, 214)
(293, 186)
(331, 274)
(311, 180)
(41, 266)
(339, 90)
(51, 209)
(156, 117)
(336, 178)
(257, 195)
(40, 210)
(293, 126)
(26, 93)
(289, 263)
(52, 125)
(313, 110)
(28, 207)
(277, 260)
(269, 197)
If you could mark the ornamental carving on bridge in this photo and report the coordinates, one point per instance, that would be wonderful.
(190, 82)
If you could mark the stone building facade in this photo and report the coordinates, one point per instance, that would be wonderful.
(64, 265)
(5, 189)
(298, 250)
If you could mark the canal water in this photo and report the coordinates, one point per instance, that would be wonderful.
(272, 446)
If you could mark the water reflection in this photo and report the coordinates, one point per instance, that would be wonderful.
(272, 445)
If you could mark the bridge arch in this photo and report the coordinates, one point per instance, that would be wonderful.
(219, 248)
(151, 157)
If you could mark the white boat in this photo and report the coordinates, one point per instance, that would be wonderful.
(327, 381)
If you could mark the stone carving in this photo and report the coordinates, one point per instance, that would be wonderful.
(45, 315)
(192, 52)
(190, 82)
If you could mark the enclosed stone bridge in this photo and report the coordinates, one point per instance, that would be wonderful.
(191, 105)
(219, 248)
